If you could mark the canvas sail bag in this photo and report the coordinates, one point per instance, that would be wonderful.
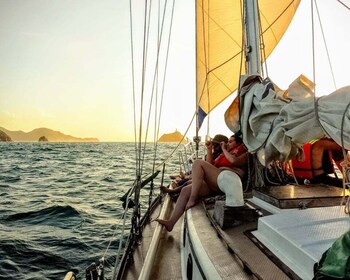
(335, 262)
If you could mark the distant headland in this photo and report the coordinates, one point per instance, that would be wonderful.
(172, 137)
(44, 134)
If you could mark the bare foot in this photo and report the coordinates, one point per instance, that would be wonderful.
(191, 202)
(168, 226)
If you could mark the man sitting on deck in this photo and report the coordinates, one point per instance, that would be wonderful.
(317, 162)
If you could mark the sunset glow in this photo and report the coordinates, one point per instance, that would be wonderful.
(66, 65)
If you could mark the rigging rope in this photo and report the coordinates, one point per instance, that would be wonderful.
(326, 47)
(138, 158)
(209, 105)
(133, 78)
(155, 79)
(345, 168)
(346, 163)
(343, 4)
(138, 148)
(314, 65)
(268, 27)
(155, 146)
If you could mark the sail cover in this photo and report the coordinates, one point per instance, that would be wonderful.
(278, 123)
(219, 44)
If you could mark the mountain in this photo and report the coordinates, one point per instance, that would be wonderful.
(51, 135)
(172, 137)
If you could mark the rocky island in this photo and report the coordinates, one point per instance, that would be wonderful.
(43, 139)
(172, 137)
(4, 137)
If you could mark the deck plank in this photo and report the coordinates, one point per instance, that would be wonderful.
(168, 260)
(246, 251)
(226, 263)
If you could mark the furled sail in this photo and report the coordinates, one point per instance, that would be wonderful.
(279, 122)
(219, 44)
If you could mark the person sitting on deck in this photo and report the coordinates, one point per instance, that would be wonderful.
(205, 178)
(214, 147)
(213, 151)
(234, 145)
(317, 162)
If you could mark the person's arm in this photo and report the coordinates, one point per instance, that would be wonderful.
(209, 157)
(237, 161)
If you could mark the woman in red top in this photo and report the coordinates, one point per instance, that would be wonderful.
(204, 178)
(234, 147)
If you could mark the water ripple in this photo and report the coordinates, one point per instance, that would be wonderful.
(60, 205)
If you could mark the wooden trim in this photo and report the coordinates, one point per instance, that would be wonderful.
(151, 253)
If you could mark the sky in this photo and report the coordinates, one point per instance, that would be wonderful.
(66, 65)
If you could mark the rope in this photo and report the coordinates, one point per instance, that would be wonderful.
(346, 185)
(124, 216)
(326, 47)
(313, 50)
(343, 4)
(155, 82)
(138, 148)
(314, 66)
(346, 169)
(155, 146)
(206, 83)
(133, 77)
(342, 129)
(138, 158)
(178, 144)
(224, 62)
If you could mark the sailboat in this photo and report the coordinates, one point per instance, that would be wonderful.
(283, 228)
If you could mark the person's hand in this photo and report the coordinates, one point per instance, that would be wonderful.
(223, 145)
(209, 144)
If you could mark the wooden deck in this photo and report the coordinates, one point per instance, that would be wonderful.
(168, 259)
(243, 258)
(234, 252)
(227, 264)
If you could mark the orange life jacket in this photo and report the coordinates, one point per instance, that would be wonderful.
(303, 169)
(222, 161)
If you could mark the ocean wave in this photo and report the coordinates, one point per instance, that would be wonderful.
(38, 264)
(55, 215)
(60, 205)
(10, 179)
(108, 179)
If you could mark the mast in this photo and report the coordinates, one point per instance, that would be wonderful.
(253, 58)
(196, 138)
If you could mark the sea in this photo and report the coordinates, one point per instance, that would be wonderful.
(60, 204)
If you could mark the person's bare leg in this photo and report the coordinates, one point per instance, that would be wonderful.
(168, 190)
(202, 171)
(174, 189)
(178, 210)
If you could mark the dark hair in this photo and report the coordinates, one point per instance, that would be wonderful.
(238, 139)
